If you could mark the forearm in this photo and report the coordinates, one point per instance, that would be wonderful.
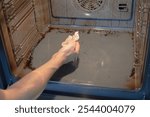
(31, 85)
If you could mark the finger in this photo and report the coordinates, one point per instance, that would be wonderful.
(76, 36)
(71, 45)
(67, 40)
(77, 47)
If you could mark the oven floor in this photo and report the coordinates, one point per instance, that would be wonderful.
(106, 58)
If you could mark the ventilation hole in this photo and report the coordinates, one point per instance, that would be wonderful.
(90, 5)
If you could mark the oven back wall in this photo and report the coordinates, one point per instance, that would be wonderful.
(99, 13)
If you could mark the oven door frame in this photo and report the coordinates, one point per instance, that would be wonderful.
(6, 76)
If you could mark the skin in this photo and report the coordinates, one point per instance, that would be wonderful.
(32, 85)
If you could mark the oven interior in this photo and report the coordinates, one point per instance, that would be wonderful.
(113, 38)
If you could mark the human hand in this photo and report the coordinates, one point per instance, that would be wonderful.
(68, 52)
(71, 45)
